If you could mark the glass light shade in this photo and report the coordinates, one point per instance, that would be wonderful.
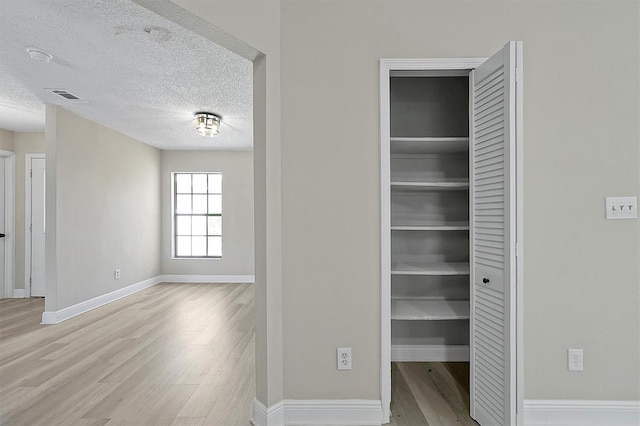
(207, 124)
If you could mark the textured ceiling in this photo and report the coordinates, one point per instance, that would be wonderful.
(135, 72)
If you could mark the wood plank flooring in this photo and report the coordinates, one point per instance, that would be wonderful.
(173, 354)
(430, 393)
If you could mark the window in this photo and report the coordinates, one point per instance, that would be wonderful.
(197, 215)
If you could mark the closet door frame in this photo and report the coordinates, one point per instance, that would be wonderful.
(422, 67)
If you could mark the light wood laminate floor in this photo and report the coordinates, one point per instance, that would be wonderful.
(430, 393)
(173, 354)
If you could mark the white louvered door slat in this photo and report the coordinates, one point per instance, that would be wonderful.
(493, 265)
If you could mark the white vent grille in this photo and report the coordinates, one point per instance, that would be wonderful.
(65, 94)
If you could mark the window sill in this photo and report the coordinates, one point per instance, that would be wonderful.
(196, 258)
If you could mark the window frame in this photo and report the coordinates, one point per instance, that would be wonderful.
(175, 215)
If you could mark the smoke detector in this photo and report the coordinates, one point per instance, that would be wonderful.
(39, 55)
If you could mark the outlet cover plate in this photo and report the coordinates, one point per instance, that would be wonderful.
(576, 359)
(621, 207)
(344, 358)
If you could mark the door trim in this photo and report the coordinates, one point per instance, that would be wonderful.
(519, 236)
(27, 220)
(9, 222)
(443, 64)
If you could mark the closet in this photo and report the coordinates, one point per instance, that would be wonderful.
(429, 151)
(451, 223)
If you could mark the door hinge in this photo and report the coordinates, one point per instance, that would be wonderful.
(517, 250)
(517, 72)
(31, 173)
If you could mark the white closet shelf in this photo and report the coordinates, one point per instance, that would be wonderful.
(429, 310)
(450, 184)
(434, 268)
(429, 145)
(427, 225)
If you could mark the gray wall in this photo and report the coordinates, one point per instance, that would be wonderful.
(581, 98)
(581, 144)
(237, 211)
(103, 199)
(6, 140)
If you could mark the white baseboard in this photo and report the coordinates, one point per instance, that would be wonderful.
(333, 412)
(208, 278)
(18, 293)
(263, 416)
(54, 317)
(319, 412)
(82, 307)
(583, 413)
(429, 353)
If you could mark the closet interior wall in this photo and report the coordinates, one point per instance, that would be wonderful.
(429, 217)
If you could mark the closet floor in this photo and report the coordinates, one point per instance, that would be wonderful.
(430, 393)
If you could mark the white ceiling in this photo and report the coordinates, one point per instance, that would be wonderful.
(135, 71)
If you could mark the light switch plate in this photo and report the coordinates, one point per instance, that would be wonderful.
(621, 207)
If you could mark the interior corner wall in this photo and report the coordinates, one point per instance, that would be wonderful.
(24, 143)
(237, 211)
(6, 140)
(581, 109)
(103, 199)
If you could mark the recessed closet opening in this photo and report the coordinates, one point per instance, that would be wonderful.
(429, 203)
(451, 239)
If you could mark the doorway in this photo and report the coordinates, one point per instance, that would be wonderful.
(7, 240)
(450, 261)
(35, 229)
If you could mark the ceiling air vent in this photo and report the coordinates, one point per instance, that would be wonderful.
(65, 94)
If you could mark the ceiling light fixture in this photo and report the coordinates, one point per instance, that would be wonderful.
(39, 55)
(207, 124)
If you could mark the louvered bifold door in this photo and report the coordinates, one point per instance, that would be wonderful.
(493, 245)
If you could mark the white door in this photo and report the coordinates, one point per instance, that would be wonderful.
(2, 227)
(494, 137)
(37, 226)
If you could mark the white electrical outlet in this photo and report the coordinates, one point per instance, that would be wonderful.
(621, 207)
(344, 358)
(116, 274)
(576, 360)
